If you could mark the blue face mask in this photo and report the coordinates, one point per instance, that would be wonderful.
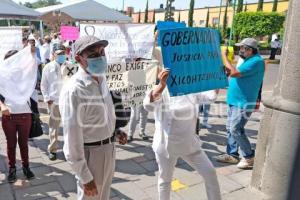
(97, 65)
(60, 59)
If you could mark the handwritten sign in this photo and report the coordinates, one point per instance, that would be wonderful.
(132, 80)
(125, 40)
(164, 25)
(194, 58)
(10, 39)
(69, 32)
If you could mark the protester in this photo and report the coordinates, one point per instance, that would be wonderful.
(244, 85)
(175, 122)
(275, 46)
(138, 115)
(88, 119)
(51, 85)
(16, 124)
(45, 50)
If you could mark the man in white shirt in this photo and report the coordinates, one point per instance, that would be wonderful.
(51, 85)
(45, 50)
(174, 137)
(88, 118)
(275, 45)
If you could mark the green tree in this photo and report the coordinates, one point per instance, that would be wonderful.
(275, 3)
(240, 6)
(207, 18)
(153, 18)
(179, 20)
(146, 13)
(139, 17)
(191, 13)
(246, 7)
(224, 30)
(260, 5)
(253, 24)
(41, 3)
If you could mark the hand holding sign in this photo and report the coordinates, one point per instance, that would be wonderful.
(163, 76)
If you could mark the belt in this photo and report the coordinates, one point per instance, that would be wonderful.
(102, 142)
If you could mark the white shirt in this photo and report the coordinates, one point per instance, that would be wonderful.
(275, 44)
(51, 82)
(88, 115)
(175, 122)
(21, 108)
(45, 52)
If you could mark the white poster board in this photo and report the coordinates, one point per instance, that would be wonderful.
(10, 39)
(125, 40)
(132, 80)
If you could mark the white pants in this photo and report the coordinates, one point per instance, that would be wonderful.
(138, 114)
(101, 163)
(198, 161)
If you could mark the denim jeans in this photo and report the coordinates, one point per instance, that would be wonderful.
(236, 137)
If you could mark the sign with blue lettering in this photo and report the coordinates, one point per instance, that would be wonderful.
(194, 58)
(164, 25)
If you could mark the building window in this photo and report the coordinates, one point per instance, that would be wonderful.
(201, 22)
(215, 21)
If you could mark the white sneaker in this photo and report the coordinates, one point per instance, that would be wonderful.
(246, 163)
(206, 125)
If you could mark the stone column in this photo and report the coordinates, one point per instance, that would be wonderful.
(279, 132)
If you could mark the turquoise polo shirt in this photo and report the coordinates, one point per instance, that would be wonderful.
(243, 91)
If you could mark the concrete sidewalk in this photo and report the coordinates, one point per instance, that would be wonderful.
(136, 169)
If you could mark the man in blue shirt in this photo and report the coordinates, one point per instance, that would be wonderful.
(244, 84)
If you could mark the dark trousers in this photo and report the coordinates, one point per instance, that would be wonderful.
(273, 53)
(16, 127)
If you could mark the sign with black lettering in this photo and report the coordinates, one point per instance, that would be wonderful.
(132, 80)
(194, 58)
(124, 40)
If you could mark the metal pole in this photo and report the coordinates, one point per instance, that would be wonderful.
(221, 2)
(231, 30)
(123, 5)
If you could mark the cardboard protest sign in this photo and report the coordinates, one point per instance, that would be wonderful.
(10, 39)
(69, 32)
(164, 25)
(194, 58)
(125, 40)
(132, 79)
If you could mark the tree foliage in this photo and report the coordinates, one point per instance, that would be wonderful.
(191, 13)
(240, 6)
(260, 5)
(253, 24)
(146, 13)
(207, 18)
(275, 3)
(41, 3)
(224, 30)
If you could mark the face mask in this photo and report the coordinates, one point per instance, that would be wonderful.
(60, 59)
(97, 65)
(242, 54)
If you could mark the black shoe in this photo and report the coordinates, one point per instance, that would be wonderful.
(130, 139)
(144, 136)
(52, 156)
(12, 176)
(28, 173)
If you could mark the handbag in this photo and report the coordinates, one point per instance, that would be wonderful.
(36, 129)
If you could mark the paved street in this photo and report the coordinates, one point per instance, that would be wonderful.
(136, 169)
